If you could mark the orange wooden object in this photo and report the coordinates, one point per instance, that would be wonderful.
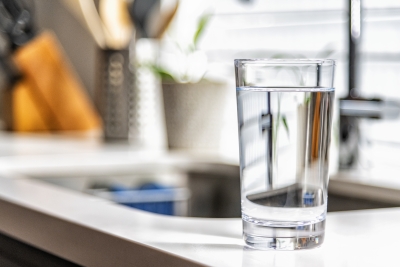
(26, 115)
(49, 97)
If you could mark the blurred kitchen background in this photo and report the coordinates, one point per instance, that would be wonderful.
(158, 76)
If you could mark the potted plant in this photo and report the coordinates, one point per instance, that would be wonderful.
(194, 105)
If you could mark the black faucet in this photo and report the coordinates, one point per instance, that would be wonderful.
(353, 107)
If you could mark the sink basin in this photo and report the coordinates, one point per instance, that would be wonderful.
(207, 190)
(212, 189)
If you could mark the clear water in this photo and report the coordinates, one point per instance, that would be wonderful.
(284, 143)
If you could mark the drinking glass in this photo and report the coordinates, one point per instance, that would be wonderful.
(284, 110)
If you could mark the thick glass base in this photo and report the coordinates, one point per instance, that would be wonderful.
(283, 238)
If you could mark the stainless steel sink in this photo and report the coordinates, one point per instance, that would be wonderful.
(214, 188)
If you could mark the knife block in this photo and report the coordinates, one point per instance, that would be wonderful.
(49, 96)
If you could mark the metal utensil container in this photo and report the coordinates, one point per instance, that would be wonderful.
(114, 94)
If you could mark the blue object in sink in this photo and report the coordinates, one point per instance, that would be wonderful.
(150, 197)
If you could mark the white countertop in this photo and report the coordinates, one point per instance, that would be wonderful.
(94, 232)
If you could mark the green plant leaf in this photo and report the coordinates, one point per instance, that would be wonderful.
(285, 124)
(162, 73)
(200, 28)
(307, 100)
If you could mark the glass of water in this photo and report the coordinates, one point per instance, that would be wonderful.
(284, 118)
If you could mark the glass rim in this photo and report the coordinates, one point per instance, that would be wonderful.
(283, 61)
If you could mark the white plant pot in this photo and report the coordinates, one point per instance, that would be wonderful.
(195, 114)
